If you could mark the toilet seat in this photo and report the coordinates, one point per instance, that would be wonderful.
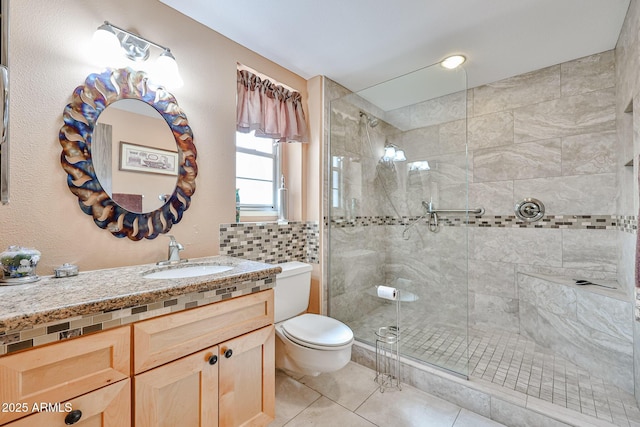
(316, 331)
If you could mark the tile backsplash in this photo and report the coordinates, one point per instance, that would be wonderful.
(272, 242)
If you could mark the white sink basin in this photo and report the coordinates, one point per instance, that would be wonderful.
(187, 271)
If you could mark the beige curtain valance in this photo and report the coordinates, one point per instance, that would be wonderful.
(271, 110)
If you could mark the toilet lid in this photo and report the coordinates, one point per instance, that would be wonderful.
(317, 330)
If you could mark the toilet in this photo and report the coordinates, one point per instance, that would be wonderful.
(308, 344)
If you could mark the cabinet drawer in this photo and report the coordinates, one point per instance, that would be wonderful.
(64, 370)
(107, 407)
(161, 340)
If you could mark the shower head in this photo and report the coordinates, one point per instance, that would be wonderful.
(372, 121)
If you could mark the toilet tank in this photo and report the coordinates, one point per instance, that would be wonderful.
(291, 294)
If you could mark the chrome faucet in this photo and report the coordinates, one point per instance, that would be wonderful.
(173, 257)
(174, 249)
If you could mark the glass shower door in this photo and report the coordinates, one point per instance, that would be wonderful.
(397, 191)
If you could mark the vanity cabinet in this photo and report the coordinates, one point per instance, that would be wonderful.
(210, 366)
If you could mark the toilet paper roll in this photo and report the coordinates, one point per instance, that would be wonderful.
(387, 292)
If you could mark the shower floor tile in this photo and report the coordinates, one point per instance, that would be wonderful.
(508, 360)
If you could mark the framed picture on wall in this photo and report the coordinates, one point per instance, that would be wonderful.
(140, 158)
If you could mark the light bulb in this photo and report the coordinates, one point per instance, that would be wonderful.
(165, 72)
(389, 152)
(107, 46)
(453, 61)
(399, 156)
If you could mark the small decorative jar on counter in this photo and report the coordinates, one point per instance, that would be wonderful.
(66, 270)
(19, 265)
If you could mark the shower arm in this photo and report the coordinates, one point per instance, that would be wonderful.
(431, 210)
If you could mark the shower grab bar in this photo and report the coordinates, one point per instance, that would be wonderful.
(432, 215)
(431, 210)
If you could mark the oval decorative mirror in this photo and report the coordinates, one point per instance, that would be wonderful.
(148, 185)
(134, 155)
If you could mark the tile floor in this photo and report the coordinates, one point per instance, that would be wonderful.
(351, 398)
(515, 363)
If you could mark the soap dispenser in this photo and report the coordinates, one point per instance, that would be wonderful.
(283, 205)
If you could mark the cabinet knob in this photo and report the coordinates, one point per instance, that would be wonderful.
(228, 353)
(213, 360)
(73, 417)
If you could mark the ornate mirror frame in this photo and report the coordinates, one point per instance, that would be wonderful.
(80, 117)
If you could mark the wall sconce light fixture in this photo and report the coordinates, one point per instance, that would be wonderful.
(393, 153)
(115, 42)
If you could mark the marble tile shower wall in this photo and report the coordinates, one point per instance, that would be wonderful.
(627, 85)
(584, 325)
(548, 134)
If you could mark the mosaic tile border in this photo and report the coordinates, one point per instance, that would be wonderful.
(272, 242)
(628, 223)
(313, 242)
(596, 222)
(13, 341)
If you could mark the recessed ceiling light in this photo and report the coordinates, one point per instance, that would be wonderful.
(453, 61)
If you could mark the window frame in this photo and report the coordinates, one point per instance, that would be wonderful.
(275, 155)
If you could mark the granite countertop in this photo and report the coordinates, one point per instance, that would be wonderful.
(51, 299)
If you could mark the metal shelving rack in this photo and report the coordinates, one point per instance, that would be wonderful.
(388, 353)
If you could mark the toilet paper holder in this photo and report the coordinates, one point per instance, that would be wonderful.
(388, 346)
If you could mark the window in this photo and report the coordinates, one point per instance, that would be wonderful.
(257, 169)
(336, 181)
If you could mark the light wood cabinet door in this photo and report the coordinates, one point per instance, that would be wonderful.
(247, 379)
(181, 393)
(64, 370)
(109, 406)
(231, 384)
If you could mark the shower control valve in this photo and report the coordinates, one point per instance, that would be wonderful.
(529, 209)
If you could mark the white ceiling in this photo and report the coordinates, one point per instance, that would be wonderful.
(360, 43)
